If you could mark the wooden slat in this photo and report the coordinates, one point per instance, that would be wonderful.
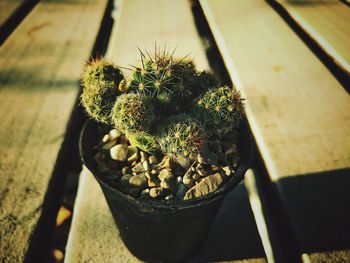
(327, 22)
(93, 234)
(40, 65)
(299, 115)
(7, 8)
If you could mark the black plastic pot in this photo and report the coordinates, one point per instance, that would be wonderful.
(163, 231)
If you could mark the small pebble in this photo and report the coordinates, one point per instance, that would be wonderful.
(105, 138)
(139, 181)
(196, 177)
(201, 171)
(200, 158)
(227, 170)
(215, 168)
(153, 182)
(188, 182)
(155, 192)
(148, 174)
(125, 170)
(133, 153)
(166, 163)
(188, 174)
(119, 152)
(165, 174)
(208, 158)
(168, 197)
(207, 185)
(114, 134)
(132, 158)
(152, 159)
(146, 166)
(108, 145)
(138, 168)
(165, 184)
(144, 156)
(183, 162)
(169, 185)
(145, 192)
(179, 179)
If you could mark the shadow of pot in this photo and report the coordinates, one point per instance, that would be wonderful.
(159, 230)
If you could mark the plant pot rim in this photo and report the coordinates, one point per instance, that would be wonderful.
(174, 204)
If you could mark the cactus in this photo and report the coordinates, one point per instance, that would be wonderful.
(133, 113)
(161, 76)
(181, 136)
(144, 141)
(221, 109)
(100, 80)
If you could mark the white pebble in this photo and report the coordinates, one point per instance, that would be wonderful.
(114, 134)
(105, 138)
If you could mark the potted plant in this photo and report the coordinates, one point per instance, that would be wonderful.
(166, 143)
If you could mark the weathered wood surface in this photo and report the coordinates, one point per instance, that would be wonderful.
(94, 236)
(40, 65)
(327, 22)
(7, 8)
(299, 115)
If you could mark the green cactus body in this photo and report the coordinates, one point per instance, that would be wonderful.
(221, 109)
(100, 81)
(173, 82)
(144, 141)
(133, 113)
(181, 136)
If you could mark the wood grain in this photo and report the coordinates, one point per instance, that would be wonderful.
(40, 65)
(328, 23)
(94, 236)
(299, 113)
(7, 8)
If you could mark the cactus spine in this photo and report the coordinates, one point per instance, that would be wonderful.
(133, 113)
(100, 81)
(221, 109)
(181, 136)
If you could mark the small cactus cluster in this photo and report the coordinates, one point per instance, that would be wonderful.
(181, 135)
(100, 80)
(221, 109)
(165, 105)
(133, 113)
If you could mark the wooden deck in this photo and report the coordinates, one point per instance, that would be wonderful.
(295, 204)
(40, 67)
